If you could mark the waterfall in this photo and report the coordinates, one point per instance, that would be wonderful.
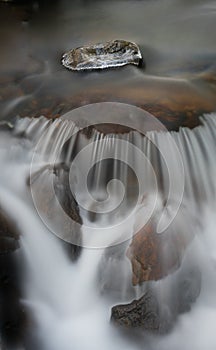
(66, 300)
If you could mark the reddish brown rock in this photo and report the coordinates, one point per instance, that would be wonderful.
(154, 256)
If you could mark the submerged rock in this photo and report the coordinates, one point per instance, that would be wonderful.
(12, 315)
(114, 275)
(9, 237)
(114, 53)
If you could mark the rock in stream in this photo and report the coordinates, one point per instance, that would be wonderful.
(111, 54)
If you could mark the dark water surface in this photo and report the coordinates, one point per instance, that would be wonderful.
(176, 39)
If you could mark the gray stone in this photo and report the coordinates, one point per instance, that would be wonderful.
(141, 313)
(114, 53)
(152, 312)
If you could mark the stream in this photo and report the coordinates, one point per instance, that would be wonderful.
(89, 159)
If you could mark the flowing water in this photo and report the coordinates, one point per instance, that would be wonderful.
(66, 301)
(169, 176)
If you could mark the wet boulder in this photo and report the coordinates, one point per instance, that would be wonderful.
(70, 207)
(46, 200)
(154, 256)
(154, 313)
(143, 312)
(111, 54)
